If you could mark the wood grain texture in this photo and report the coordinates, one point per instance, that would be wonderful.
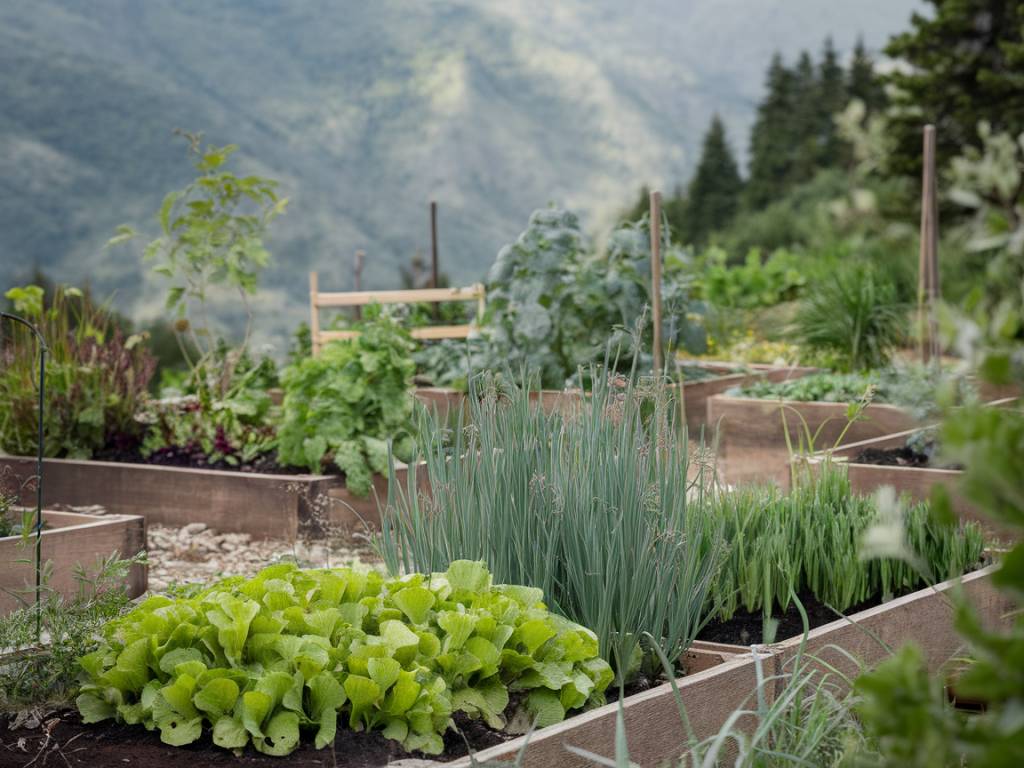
(653, 730)
(752, 433)
(71, 540)
(913, 483)
(924, 618)
(272, 506)
(696, 393)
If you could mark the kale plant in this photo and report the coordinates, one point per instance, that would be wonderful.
(553, 305)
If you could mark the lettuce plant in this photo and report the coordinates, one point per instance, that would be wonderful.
(260, 661)
(343, 406)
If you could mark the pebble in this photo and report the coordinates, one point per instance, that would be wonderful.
(194, 553)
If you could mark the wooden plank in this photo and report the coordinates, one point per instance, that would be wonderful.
(262, 505)
(74, 540)
(653, 729)
(427, 332)
(362, 298)
(752, 434)
(924, 617)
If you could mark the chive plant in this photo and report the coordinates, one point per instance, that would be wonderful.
(810, 539)
(592, 504)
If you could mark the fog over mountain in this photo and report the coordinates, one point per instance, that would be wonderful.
(364, 112)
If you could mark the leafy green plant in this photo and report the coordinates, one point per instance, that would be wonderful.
(757, 282)
(290, 650)
(920, 389)
(809, 539)
(211, 238)
(343, 407)
(96, 378)
(593, 505)
(235, 429)
(854, 318)
(553, 306)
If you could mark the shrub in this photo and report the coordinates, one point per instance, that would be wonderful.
(343, 406)
(291, 650)
(96, 378)
(755, 283)
(592, 505)
(853, 318)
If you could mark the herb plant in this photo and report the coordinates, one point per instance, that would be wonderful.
(71, 624)
(96, 378)
(343, 407)
(593, 505)
(261, 660)
(853, 319)
(809, 539)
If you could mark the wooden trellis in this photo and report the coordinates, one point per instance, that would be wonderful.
(318, 300)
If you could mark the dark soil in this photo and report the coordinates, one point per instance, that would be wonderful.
(63, 741)
(195, 458)
(746, 628)
(892, 457)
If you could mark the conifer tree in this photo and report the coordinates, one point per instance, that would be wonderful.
(863, 82)
(771, 138)
(714, 192)
(832, 98)
(964, 59)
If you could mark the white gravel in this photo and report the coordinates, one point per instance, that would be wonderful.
(195, 553)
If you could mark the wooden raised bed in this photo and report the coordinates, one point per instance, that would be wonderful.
(262, 505)
(697, 393)
(443, 401)
(653, 728)
(70, 539)
(915, 483)
(752, 435)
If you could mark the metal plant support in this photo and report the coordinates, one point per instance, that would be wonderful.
(39, 465)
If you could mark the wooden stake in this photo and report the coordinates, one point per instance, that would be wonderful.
(656, 277)
(928, 259)
(433, 254)
(357, 278)
(314, 314)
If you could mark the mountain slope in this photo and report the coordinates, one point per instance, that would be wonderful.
(365, 112)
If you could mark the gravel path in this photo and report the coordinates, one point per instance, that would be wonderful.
(195, 553)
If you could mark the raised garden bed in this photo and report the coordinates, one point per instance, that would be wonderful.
(262, 505)
(875, 462)
(725, 376)
(69, 540)
(653, 728)
(752, 433)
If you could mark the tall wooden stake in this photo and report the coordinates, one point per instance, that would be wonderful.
(357, 278)
(314, 314)
(928, 260)
(433, 254)
(656, 277)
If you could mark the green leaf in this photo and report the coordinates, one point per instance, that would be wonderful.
(229, 733)
(217, 697)
(281, 735)
(415, 602)
(93, 708)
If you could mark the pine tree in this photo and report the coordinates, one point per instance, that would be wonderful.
(863, 82)
(771, 137)
(806, 119)
(714, 193)
(962, 70)
(832, 98)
